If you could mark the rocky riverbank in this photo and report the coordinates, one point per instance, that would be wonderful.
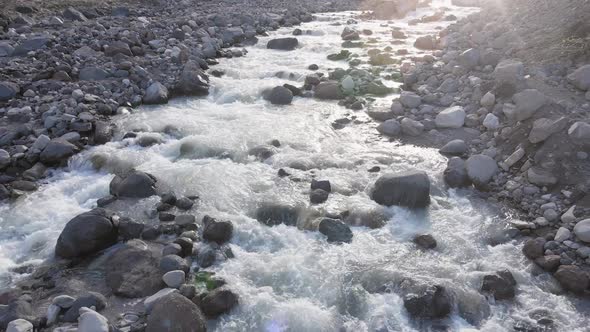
(66, 69)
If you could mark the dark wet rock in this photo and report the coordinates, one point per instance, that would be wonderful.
(425, 241)
(192, 81)
(173, 262)
(174, 313)
(501, 285)
(57, 151)
(318, 196)
(430, 303)
(262, 152)
(103, 132)
(572, 278)
(534, 248)
(280, 96)
(90, 299)
(186, 246)
(410, 189)
(8, 90)
(217, 231)
(425, 43)
(322, 184)
(135, 184)
(133, 272)
(336, 230)
(455, 175)
(218, 301)
(86, 234)
(129, 229)
(272, 214)
(285, 44)
(328, 90)
(184, 203)
(156, 93)
(166, 217)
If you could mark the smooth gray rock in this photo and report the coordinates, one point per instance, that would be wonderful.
(481, 169)
(57, 151)
(133, 272)
(410, 189)
(579, 133)
(175, 313)
(580, 78)
(527, 103)
(280, 96)
(135, 184)
(328, 90)
(86, 234)
(192, 81)
(8, 90)
(93, 74)
(452, 117)
(390, 127)
(456, 147)
(90, 299)
(455, 175)
(156, 93)
(285, 44)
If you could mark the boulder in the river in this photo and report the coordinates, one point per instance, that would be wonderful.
(272, 214)
(410, 189)
(329, 90)
(455, 175)
(132, 271)
(134, 184)
(192, 81)
(431, 303)
(218, 302)
(284, 44)
(156, 93)
(217, 231)
(390, 127)
(572, 278)
(280, 96)
(173, 313)
(500, 285)
(318, 196)
(86, 234)
(336, 230)
(425, 241)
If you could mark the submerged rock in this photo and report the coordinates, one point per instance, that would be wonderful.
(280, 96)
(217, 231)
(431, 303)
(285, 44)
(501, 285)
(218, 302)
(272, 214)
(410, 189)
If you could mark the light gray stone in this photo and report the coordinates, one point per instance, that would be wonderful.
(580, 78)
(19, 325)
(562, 234)
(481, 169)
(543, 128)
(390, 127)
(452, 117)
(579, 133)
(174, 279)
(582, 230)
(527, 103)
(149, 302)
(92, 321)
(411, 127)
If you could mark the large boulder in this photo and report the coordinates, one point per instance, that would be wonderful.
(582, 230)
(534, 248)
(218, 302)
(336, 230)
(86, 234)
(572, 278)
(390, 127)
(133, 271)
(285, 44)
(410, 189)
(217, 231)
(156, 93)
(501, 285)
(527, 102)
(192, 81)
(328, 90)
(134, 184)
(57, 151)
(431, 303)
(456, 147)
(280, 96)
(580, 78)
(8, 90)
(452, 117)
(175, 313)
(481, 169)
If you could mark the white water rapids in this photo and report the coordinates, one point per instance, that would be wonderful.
(290, 279)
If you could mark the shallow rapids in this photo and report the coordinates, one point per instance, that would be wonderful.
(291, 279)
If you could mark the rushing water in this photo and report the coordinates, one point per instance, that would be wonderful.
(291, 279)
